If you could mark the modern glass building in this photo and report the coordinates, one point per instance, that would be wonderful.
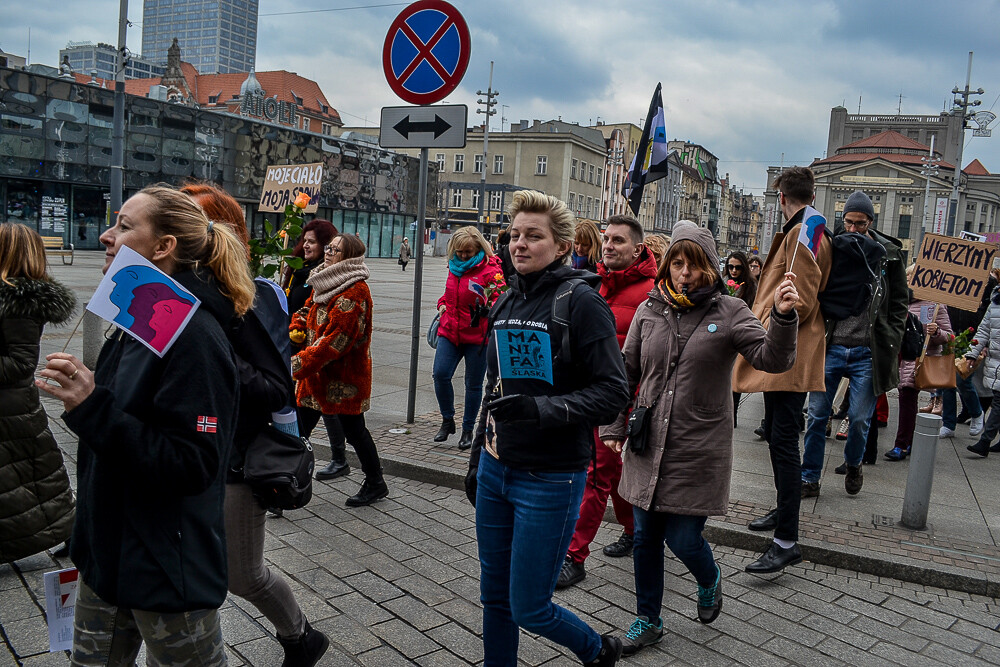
(55, 157)
(216, 36)
(86, 58)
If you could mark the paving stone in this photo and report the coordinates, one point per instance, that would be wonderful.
(458, 640)
(415, 612)
(949, 656)
(384, 657)
(920, 612)
(440, 658)
(935, 634)
(374, 587)
(744, 653)
(799, 654)
(407, 640)
(850, 654)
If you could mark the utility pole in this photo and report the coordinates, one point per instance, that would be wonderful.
(961, 102)
(615, 158)
(118, 124)
(929, 169)
(489, 103)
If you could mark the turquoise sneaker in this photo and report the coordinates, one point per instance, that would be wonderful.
(710, 599)
(642, 634)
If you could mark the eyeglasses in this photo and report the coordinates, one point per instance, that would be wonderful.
(856, 225)
(330, 249)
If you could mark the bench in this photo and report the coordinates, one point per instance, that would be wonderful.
(54, 245)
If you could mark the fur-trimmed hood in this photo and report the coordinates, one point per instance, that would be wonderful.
(45, 300)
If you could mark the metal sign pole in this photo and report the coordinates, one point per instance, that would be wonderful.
(118, 120)
(418, 278)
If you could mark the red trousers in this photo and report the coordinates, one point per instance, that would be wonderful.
(882, 409)
(601, 482)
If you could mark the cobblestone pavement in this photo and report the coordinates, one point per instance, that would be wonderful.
(397, 584)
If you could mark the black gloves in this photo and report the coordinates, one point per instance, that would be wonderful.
(514, 408)
(471, 485)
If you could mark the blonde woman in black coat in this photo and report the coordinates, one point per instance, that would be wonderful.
(34, 487)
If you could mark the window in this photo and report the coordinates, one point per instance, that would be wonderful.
(541, 167)
(475, 199)
(440, 161)
(477, 164)
(305, 124)
(590, 207)
(459, 164)
(857, 135)
(456, 199)
(572, 170)
(590, 174)
(583, 171)
(904, 227)
(572, 201)
(327, 129)
(498, 164)
(600, 175)
(495, 200)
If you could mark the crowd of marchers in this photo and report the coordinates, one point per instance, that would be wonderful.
(585, 356)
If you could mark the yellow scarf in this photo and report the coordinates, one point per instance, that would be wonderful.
(673, 298)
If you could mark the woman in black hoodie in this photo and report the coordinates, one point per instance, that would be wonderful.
(37, 501)
(543, 403)
(155, 434)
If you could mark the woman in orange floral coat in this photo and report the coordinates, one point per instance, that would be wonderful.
(333, 372)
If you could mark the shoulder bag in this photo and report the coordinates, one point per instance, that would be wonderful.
(934, 372)
(279, 469)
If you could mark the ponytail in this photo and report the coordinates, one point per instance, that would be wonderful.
(227, 260)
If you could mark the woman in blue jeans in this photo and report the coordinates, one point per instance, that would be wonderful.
(474, 282)
(679, 474)
(550, 384)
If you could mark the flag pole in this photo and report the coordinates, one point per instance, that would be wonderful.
(794, 252)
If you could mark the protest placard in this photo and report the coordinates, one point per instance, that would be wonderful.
(284, 182)
(144, 301)
(952, 271)
(60, 600)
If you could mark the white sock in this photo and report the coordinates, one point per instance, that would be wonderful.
(784, 544)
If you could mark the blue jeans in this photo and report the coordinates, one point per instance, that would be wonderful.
(683, 535)
(970, 399)
(524, 523)
(445, 362)
(854, 363)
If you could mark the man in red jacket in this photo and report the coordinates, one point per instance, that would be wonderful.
(627, 270)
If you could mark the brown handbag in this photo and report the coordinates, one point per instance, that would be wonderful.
(934, 372)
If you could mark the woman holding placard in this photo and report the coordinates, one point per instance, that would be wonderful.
(155, 434)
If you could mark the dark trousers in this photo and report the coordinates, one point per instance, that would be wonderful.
(907, 417)
(782, 415)
(349, 427)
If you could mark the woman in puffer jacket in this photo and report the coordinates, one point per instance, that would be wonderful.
(987, 341)
(34, 487)
(474, 276)
(939, 329)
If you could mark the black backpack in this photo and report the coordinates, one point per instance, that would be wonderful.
(913, 338)
(279, 469)
(854, 274)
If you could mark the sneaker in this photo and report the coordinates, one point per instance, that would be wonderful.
(843, 428)
(854, 480)
(946, 432)
(710, 599)
(642, 633)
(897, 454)
(621, 548)
(976, 425)
(611, 651)
(571, 573)
(810, 489)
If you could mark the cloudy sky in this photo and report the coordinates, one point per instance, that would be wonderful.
(751, 81)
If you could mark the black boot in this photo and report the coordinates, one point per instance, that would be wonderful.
(304, 651)
(447, 428)
(370, 491)
(611, 651)
(338, 462)
(465, 442)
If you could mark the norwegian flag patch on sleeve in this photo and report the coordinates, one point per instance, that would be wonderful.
(207, 424)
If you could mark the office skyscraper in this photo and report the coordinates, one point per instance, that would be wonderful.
(216, 36)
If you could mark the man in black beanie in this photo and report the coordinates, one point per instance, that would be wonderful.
(863, 348)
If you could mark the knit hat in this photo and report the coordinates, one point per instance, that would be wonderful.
(860, 203)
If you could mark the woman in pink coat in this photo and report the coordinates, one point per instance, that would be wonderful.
(939, 329)
(475, 279)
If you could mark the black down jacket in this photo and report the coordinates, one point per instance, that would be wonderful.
(36, 504)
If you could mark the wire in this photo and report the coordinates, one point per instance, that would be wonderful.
(336, 9)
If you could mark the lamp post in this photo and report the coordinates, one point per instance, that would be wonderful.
(615, 159)
(489, 103)
(929, 169)
(962, 105)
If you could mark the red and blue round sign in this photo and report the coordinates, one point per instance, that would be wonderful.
(426, 52)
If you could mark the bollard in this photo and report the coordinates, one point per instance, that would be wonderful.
(917, 499)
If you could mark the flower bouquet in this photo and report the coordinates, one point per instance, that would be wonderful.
(267, 254)
(960, 345)
(733, 287)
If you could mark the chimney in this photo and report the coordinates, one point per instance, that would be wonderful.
(523, 124)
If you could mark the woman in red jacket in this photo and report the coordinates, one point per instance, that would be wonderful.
(333, 372)
(464, 306)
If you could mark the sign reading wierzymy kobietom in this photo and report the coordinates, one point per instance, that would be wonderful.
(952, 271)
(285, 182)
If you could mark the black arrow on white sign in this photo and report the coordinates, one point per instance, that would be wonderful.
(438, 126)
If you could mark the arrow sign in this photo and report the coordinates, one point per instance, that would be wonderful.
(406, 127)
(423, 126)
